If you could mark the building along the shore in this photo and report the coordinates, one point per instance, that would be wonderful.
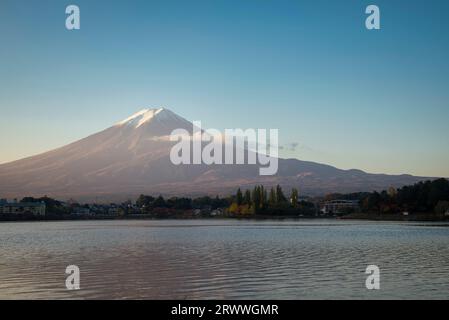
(339, 206)
(18, 208)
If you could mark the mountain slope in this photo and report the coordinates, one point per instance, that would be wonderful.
(132, 157)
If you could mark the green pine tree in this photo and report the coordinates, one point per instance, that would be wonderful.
(239, 197)
(294, 197)
(280, 198)
(247, 197)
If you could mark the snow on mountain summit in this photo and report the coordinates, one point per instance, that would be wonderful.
(143, 116)
(155, 122)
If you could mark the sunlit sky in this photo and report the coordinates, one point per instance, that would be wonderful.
(338, 93)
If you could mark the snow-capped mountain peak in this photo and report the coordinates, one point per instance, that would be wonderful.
(143, 116)
(154, 122)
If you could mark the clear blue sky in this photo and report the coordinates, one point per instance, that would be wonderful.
(353, 98)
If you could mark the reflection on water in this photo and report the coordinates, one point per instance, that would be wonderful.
(222, 259)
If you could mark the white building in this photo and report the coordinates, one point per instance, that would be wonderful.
(339, 206)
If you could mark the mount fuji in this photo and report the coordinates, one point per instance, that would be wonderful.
(133, 157)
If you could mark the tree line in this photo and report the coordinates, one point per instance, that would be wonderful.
(148, 203)
(422, 197)
(262, 201)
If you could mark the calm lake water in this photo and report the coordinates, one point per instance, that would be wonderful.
(224, 259)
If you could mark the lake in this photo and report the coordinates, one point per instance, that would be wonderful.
(224, 259)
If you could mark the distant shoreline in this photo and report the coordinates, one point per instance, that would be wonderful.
(416, 217)
(419, 217)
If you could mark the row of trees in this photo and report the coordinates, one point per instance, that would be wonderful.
(273, 202)
(422, 197)
(259, 200)
(425, 197)
(148, 203)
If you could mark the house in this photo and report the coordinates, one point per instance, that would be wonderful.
(17, 208)
(339, 206)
